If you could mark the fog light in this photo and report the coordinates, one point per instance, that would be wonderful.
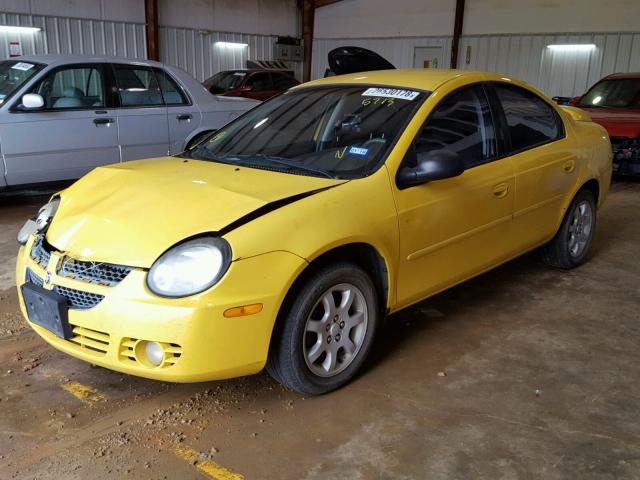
(154, 353)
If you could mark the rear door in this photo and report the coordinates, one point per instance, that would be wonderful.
(183, 116)
(143, 127)
(73, 133)
(544, 162)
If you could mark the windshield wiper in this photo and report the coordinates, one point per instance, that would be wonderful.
(287, 163)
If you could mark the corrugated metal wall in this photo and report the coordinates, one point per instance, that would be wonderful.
(72, 35)
(522, 56)
(555, 73)
(399, 51)
(196, 51)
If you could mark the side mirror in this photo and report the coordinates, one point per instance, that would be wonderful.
(32, 101)
(574, 101)
(245, 88)
(434, 165)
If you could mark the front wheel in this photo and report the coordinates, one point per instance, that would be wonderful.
(327, 332)
(569, 247)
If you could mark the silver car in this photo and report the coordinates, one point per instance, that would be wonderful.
(61, 116)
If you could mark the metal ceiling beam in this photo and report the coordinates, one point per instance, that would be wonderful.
(151, 29)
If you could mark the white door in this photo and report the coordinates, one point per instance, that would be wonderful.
(428, 57)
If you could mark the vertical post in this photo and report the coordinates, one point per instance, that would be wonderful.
(457, 32)
(151, 30)
(308, 11)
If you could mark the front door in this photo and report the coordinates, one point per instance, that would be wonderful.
(142, 117)
(73, 133)
(454, 228)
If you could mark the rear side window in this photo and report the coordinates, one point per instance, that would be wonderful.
(461, 123)
(137, 87)
(172, 94)
(530, 120)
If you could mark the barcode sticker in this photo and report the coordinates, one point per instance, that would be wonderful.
(23, 66)
(391, 93)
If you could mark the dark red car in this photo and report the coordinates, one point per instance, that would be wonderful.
(614, 103)
(256, 84)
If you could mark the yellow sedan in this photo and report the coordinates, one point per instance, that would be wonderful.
(285, 238)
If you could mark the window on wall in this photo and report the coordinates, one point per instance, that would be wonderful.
(461, 123)
(530, 120)
(73, 88)
(137, 86)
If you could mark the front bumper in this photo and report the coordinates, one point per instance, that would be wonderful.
(200, 344)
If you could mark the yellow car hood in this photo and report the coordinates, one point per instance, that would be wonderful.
(131, 213)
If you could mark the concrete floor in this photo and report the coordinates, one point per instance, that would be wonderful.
(523, 373)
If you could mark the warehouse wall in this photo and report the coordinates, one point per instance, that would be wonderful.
(506, 36)
(116, 28)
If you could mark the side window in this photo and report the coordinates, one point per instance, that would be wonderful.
(530, 120)
(172, 94)
(260, 82)
(461, 123)
(282, 81)
(72, 88)
(137, 86)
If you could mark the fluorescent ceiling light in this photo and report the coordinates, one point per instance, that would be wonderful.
(14, 29)
(231, 44)
(578, 47)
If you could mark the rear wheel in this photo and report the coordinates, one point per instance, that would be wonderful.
(327, 332)
(570, 246)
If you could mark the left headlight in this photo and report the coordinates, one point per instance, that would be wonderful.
(40, 222)
(190, 267)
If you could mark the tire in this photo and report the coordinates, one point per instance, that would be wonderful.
(322, 344)
(570, 246)
(198, 138)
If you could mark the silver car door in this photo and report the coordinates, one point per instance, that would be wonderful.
(70, 135)
(183, 115)
(142, 115)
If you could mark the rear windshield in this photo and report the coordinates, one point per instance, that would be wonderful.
(620, 93)
(13, 75)
(337, 132)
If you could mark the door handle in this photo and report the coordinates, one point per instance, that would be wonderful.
(501, 190)
(184, 116)
(569, 166)
(102, 121)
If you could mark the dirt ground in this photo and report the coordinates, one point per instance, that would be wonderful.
(523, 373)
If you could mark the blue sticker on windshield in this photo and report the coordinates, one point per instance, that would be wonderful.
(361, 151)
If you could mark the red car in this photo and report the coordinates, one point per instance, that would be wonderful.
(614, 103)
(256, 84)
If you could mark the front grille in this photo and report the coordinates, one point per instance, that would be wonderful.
(91, 340)
(33, 278)
(106, 274)
(39, 253)
(79, 300)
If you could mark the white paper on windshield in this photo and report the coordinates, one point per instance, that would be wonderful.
(391, 93)
(23, 66)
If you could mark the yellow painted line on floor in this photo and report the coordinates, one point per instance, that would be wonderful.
(82, 392)
(208, 467)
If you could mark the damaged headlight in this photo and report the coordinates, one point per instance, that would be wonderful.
(40, 222)
(190, 267)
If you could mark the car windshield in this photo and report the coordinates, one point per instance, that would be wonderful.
(224, 81)
(336, 132)
(13, 74)
(620, 93)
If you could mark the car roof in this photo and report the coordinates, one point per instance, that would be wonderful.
(66, 59)
(419, 78)
(631, 75)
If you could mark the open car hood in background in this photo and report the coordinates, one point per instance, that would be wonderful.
(343, 60)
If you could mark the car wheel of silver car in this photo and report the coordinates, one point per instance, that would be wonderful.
(570, 246)
(327, 332)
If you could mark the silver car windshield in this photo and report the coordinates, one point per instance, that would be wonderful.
(337, 132)
(14, 74)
